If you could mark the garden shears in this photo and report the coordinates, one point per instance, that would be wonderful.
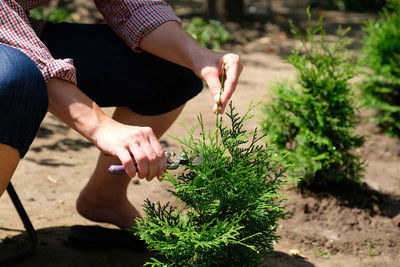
(173, 162)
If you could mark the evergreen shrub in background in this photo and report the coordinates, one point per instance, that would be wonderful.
(228, 205)
(381, 54)
(52, 14)
(211, 34)
(312, 120)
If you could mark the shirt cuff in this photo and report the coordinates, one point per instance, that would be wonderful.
(146, 19)
(59, 68)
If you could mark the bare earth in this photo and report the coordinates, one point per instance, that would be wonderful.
(344, 228)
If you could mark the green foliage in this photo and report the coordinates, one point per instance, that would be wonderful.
(313, 121)
(210, 34)
(54, 14)
(230, 204)
(381, 54)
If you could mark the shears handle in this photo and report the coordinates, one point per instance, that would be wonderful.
(119, 169)
(173, 162)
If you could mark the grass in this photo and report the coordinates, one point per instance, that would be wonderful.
(372, 250)
(324, 253)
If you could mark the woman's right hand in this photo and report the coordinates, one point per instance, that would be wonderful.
(125, 142)
(132, 144)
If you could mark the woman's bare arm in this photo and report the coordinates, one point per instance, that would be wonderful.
(171, 42)
(79, 112)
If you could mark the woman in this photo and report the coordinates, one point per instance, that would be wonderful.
(142, 62)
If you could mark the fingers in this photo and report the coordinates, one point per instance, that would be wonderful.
(211, 76)
(232, 69)
(162, 161)
(126, 160)
(214, 84)
(148, 154)
(141, 159)
(132, 145)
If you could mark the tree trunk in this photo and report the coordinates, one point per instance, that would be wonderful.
(232, 10)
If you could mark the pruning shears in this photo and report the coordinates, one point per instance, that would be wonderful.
(173, 162)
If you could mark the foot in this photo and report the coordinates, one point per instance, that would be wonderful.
(102, 209)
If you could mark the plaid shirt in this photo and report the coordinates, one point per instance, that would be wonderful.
(130, 19)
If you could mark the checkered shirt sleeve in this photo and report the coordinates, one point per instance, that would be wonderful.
(134, 19)
(16, 31)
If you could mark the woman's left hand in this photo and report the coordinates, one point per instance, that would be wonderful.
(212, 73)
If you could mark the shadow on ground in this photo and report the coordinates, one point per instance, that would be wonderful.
(358, 196)
(63, 145)
(280, 259)
(54, 249)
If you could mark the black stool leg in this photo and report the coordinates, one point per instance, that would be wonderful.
(28, 226)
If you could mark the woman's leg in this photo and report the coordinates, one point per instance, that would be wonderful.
(104, 198)
(9, 158)
(23, 105)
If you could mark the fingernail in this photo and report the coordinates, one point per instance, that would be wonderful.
(217, 98)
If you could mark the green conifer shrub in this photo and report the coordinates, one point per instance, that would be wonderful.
(52, 14)
(381, 54)
(229, 204)
(312, 120)
(210, 34)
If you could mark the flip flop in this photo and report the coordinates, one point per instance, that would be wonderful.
(100, 237)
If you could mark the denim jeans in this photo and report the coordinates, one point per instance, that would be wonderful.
(23, 99)
(107, 71)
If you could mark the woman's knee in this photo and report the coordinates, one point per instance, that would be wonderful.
(23, 99)
(9, 158)
(19, 75)
(190, 80)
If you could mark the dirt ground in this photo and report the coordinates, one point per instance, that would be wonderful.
(344, 227)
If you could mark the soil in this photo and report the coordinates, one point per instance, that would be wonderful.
(339, 227)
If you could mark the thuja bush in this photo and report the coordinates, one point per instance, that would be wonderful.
(211, 34)
(312, 119)
(228, 204)
(381, 54)
(53, 14)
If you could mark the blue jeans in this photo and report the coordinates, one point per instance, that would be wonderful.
(107, 71)
(23, 99)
